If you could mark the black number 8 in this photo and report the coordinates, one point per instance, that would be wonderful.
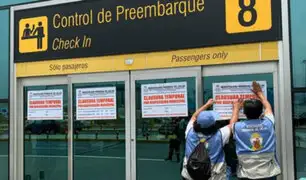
(247, 8)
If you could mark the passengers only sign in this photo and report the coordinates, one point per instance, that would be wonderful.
(98, 28)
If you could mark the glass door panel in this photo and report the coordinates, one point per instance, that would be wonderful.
(208, 93)
(158, 151)
(99, 130)
(4, 140)
(45, 135)
(299, 107)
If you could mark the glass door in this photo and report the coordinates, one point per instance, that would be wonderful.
(162, 102)
(74, 127)
(223, 83)
(43, 111)
(101, 122)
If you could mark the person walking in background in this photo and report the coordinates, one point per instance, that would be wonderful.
(256, 140)
(174, 140)
(182, 128)
(202, 129)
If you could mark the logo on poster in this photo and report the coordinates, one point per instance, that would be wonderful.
(145, 89)
(218, 88)
(80, 93)
(33, 34)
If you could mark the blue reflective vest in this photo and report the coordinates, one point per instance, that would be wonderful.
(256, 149)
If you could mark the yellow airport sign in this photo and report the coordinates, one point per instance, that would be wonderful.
(248, 15)
(256, 52)
(33, 34)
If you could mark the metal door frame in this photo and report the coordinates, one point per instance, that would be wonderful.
(19, 121)
(254, 68)
(158, 74)
(69, 81)
(108, 77)
(15, 156)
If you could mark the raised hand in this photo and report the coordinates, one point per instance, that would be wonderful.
(237, 105)
(210, 102)
(256, 88)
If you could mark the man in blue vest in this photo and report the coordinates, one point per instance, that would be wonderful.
(255, 139)
(203, 125)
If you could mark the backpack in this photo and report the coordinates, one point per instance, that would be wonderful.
(198, 164)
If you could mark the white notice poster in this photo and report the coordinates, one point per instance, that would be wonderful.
(225, 93)
(164, 100)
(96, 103)
(45, 105)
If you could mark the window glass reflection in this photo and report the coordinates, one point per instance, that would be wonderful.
(4, 53)
(161, 141)
(298, 43)
(45, 141)
(299, 118)
(99, 144)
(4, 141)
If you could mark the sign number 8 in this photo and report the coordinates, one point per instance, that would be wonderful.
(248, 15)
(247, 8)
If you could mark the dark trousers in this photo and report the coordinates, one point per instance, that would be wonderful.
(174, 145)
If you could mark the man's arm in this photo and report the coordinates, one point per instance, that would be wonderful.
(226, 131)
(208, 104)
(258, 92)
(236, 108)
